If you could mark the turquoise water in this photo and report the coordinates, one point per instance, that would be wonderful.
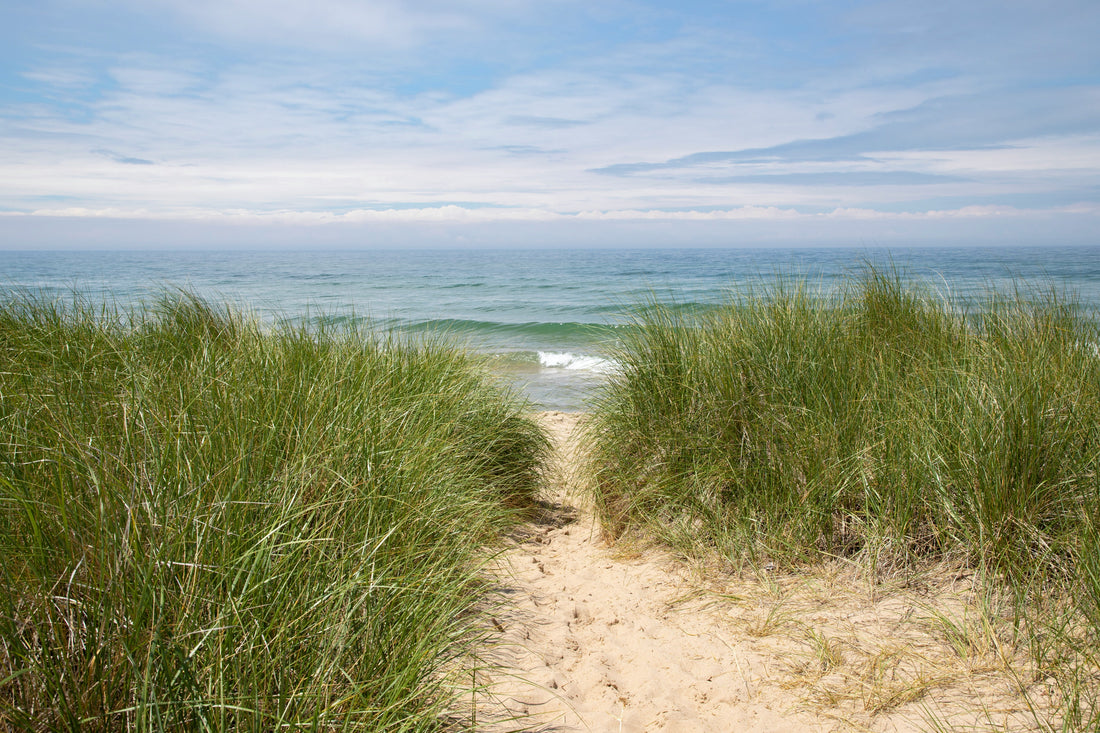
(546, 315)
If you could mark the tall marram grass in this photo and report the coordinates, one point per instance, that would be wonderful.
(213, 526)
(879, 424)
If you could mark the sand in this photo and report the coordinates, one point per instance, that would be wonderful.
(592, 639)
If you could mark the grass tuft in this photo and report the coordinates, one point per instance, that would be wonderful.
(879, 424)
(210, 525)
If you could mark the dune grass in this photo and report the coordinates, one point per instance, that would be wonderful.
(879, 424)
(209, 525)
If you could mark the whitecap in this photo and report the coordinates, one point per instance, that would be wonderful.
(566, 360)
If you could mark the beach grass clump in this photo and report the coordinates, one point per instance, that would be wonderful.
(882, 424)
(213, 525)
(878, 421)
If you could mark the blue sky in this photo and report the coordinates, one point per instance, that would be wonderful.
(152, 122)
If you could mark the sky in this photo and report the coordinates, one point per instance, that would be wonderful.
(151, 123)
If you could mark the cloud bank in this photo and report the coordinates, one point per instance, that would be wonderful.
(745, 120)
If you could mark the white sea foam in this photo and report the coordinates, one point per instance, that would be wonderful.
(565, 360)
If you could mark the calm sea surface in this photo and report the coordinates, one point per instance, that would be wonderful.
(546, 314)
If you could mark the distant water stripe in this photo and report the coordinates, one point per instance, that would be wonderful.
(569, 331)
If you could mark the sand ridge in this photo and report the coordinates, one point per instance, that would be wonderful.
(591, 639)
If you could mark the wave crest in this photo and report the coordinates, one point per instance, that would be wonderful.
(566, 360)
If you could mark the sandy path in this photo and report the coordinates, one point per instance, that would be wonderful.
(602, 643)
(591, 640)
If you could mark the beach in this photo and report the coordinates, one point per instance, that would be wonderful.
(612, 367)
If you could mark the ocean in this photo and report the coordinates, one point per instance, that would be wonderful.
(546, 316)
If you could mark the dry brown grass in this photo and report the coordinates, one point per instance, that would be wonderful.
(926, 653)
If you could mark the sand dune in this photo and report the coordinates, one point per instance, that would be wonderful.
(597, 641)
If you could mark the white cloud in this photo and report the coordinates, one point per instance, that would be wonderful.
(366, 27)
(764, 213)
(60, 77)
(291, 22)
(451, 213)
